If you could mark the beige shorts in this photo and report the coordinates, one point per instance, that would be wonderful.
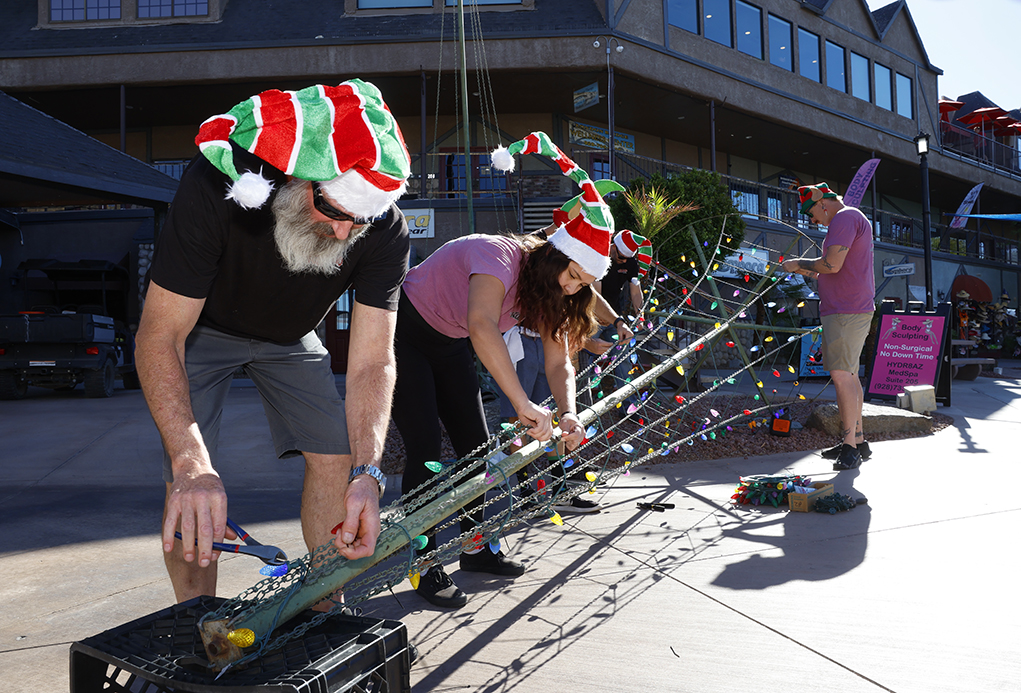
(843, 336)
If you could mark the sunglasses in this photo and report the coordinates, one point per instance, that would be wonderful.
(331, 212)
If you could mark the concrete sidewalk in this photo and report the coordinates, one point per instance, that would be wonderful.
(914, 592)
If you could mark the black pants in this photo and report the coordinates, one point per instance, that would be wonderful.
(436, 380)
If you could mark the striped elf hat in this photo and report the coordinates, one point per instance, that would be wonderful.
(810, 194)
(630, 244)
(342, 136)
(586, 237)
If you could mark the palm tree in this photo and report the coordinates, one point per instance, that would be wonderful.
(652, 211)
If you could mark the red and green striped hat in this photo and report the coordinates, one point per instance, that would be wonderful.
(586, 237)
(810, 194)
(630, 244)
(343, 136)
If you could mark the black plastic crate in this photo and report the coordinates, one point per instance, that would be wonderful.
(163, 653)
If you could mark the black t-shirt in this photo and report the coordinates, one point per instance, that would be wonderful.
(215, 249)
(614, 285)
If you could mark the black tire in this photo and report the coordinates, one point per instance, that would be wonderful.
(99, 383)
(130, 380)
(11, 386)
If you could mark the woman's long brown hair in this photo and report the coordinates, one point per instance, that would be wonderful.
(541, 301)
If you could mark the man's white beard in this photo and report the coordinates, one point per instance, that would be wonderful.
(305, 245)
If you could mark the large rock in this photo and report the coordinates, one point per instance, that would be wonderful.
(875, 419)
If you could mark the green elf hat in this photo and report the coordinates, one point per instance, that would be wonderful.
(630, 244)
(586, 237)
(344, 137)
(810, 194)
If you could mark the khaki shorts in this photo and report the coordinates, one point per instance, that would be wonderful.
(843, 336)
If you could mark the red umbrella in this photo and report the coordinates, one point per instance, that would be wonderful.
(980, 116)
(947, 106)
(1004, 126)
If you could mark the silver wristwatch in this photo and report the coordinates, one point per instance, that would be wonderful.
(373, 471)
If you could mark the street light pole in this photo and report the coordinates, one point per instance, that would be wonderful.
(922, 146)
(609, 97)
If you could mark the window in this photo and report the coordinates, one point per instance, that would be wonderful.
(808, 55)
(904, 96)
(172, 8)
(717, 21)
(600, 169)
(780, 43)
(860, 88)
(471, 2)
(80, 10)
(392, 4)
(485, 179)
(749, 29)
(884, 87)
(835, 67)
(683, 14)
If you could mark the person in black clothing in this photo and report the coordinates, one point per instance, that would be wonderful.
(289, 204)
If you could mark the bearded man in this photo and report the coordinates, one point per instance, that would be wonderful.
(290, 203)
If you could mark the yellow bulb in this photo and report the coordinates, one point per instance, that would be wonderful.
(769, 339)
(758, 384)
(242, 637)
(670, 336)
(790, 368)
(717, 326)
(557, 520)
(591, 476)
(414, 578)
(801, 305)
(716, 266)
(801, 397)
(655, 301)
(680, 369)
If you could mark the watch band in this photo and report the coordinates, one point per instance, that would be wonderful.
(373, 471)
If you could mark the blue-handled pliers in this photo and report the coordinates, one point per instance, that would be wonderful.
(269, 555)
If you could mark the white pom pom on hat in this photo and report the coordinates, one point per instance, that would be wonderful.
(250, 190)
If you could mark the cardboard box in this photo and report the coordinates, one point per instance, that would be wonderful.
(804, 502)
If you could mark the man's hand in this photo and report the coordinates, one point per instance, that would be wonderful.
(356, 537)
(198, 503)
(793, 266)
(571, 431)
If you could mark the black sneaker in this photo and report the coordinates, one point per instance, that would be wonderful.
(576, 506)
(849, 458)
(438, 589)
(485, 561)
(834, 452)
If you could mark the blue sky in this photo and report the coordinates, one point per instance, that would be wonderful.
(974, 42)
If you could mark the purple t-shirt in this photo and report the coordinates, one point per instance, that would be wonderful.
(853, 288)
(438, 288)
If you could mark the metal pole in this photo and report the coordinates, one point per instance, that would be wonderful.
(425, 170)
(712, 136)
(926, 231)
(467, 133)
(609, 97)
(124, 120)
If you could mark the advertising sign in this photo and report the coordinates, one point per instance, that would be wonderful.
(860, 183)
(751, 261)
(421, 223)
(586, 96)
(908, 352)
(597, 137)
(904, 270)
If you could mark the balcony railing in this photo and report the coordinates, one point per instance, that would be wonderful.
(981, 147)
(762, 202)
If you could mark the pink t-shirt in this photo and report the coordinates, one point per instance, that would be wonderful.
(438, 288)
(853, 288)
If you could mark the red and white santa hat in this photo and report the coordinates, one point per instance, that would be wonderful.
(630, 244)
(584, 238)
(343, 136)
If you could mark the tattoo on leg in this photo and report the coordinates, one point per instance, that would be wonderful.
(843, 434)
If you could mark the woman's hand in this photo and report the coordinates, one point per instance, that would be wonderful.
(538, 419)
(571, 431)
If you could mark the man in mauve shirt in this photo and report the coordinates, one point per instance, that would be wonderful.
(847, 288)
